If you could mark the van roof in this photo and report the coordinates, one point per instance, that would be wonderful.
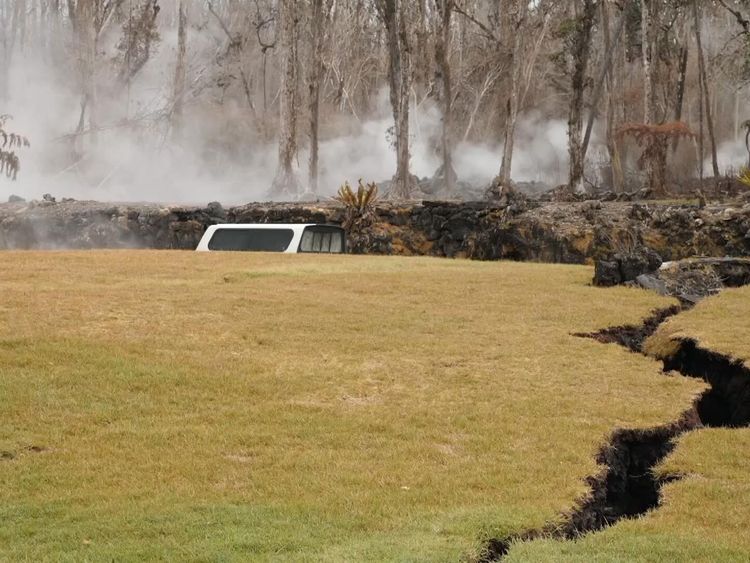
(273, 225)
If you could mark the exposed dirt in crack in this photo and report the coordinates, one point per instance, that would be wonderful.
(627, 486)
(632, 337)
(727, 402)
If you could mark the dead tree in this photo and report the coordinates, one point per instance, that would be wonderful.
(233, 53)
(442, 50)
(8, 21)
(648, 40)
(139, 34)
(705, 98)
(517, 26)
(681, 83)
(393, 14)
(519, 10)
(610, 45)
(180, 73)
(613, 100)
(318, 19)
(89, 19)
(654, 140)
(580, 48)
(286, 182)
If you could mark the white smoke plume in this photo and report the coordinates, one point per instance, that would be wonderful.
(143, 164)
(731, 155)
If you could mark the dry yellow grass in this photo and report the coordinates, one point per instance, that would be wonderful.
(268, 407)
(705, 515)
(720, 324)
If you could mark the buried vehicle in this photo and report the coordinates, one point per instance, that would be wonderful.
(287, 238)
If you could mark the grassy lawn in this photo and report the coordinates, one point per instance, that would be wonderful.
(210, 407)
(706, 515)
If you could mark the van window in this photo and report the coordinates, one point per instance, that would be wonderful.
(252, 240)
(322, 239)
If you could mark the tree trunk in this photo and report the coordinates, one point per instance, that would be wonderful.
(657, 165)
(511, 106)
(681, 81)
(19, 23)
(610, 46)
(6, 49)
(581, 55)
(442, 50)
(706, 100)
(701, 135)
(613, 147)
(180, 70)
(313, 84)
(404, 182)
(286, 183)
(86, 35)
(649, 94)
(399, 75)
(657, 170)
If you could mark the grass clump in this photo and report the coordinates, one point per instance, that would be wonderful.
(166, 405)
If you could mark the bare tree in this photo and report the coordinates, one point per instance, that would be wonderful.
(484, 62)
(518, 14)
(286, 182)
(139, 35)
(705, 98)
(318, 20)
(9, 21)
(233, 53)
(393, 14)
(442, 58)
(180, 73)
(89, 19)
(580, 48)
(613, 87)
(648, 39)
(518, 24)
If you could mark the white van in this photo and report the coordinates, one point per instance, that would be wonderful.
(263, 237)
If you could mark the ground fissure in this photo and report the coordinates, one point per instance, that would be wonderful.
(627, 487)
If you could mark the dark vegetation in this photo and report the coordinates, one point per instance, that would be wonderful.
(10, 163)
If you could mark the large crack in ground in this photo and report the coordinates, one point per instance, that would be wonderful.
(627, 486)
(727, 402)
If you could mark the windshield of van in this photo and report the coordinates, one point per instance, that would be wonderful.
(322, 239)
(251, 240)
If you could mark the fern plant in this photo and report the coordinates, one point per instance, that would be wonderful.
(359, 205)
(744, 176)
(10, 164)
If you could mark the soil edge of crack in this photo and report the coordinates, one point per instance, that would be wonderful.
(626, 487)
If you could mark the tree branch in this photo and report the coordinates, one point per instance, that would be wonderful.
(745, 23)
(487, 31)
